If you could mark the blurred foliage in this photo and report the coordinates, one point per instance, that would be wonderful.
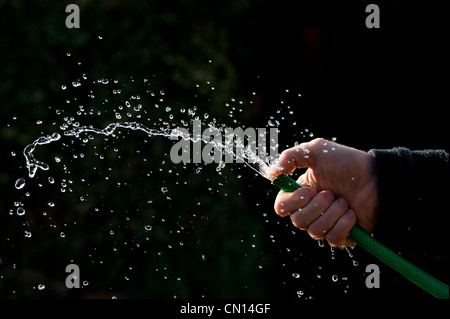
(209, 231)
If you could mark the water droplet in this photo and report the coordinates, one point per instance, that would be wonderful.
(51, 204)
(335, 278)
(320, 242)
(20, 211)
(220, 166)
(76, 84)
(62, 234)
(63, 87)
(51, 180)
(148, 227)
(348, 251)
(20, 183)
(41, 287)
(164, 189)
(296, 275)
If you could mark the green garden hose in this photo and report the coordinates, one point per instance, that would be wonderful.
(380, 251)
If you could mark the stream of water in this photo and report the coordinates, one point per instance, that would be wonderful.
(249, 151)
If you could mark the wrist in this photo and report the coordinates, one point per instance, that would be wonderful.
(370, 194)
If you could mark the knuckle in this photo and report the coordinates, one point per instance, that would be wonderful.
(298, 220)
(315, 232)
(326, 199)
(348, 219)
(302, 196)
(318, 141)
(286, 157)
(335, 239)
(285, 153)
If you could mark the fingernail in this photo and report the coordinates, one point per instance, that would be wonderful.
(329, 195)
(342, 202)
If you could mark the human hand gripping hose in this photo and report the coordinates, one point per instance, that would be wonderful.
(380, 251)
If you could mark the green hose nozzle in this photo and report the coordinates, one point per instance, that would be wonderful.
(380, 251)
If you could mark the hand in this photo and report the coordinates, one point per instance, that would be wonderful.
(346, 172)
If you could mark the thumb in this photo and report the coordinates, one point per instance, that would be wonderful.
(299, 156)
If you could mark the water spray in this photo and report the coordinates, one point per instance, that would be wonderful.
(284, 182)
(410, 271)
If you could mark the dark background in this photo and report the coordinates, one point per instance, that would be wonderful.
(216, 236)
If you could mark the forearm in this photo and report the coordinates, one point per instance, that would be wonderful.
(413, 189)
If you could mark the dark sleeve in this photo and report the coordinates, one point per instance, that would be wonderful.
(414, 193)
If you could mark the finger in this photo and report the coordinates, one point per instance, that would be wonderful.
(338, 234)
(322, 225)
(302, 218)
(302, 180)
(286, 202)
(296, 157)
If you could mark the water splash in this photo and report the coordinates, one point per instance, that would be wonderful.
(124, 122)
(32, 164)
(249, 157)
(20, 183)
